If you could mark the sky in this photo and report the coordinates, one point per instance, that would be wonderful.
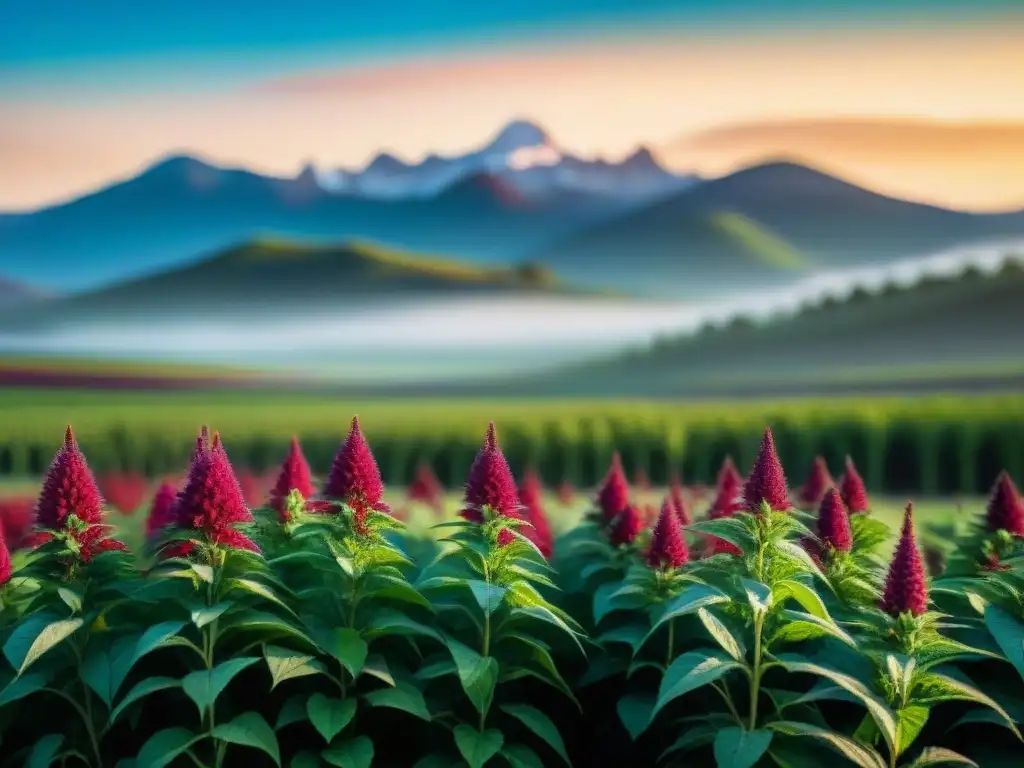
(93, 91)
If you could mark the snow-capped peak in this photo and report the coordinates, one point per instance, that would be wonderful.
(518, 134)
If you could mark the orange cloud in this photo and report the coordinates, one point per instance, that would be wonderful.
(598, 97)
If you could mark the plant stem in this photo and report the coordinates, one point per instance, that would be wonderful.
(671, 641)
(755, 677)
(485, 650)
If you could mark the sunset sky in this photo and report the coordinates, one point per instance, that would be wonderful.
(92, 91)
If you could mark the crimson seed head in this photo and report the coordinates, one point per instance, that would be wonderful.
(834, 522)
(729, 479)
(5, 560)
(505, 537)
(211, 502)
(69, 489)
(613, 496)
(679, 500)
(767, 481)
(717, 546)
(294, 476)
(668, 547)
(490, 483)
(626, 526)
(1005, 507)
(851, 488)
(905, 586)
(354, 477)
(161, 513)
(818, 482)
(17, 518)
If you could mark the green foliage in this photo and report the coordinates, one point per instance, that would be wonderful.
(344, 632)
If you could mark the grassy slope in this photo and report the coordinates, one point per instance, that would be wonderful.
(774, 210)
(272, 275)
(939, 329)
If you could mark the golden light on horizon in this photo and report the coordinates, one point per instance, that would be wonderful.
(604, 98)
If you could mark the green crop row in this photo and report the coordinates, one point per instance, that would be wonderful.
(937, 445)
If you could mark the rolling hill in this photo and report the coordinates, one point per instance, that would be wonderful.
(269, 277)
(183, 206)
(967, 328)
(759, 227)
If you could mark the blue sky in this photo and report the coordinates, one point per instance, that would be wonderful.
(87, 42)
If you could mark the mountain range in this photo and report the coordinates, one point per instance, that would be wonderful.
(631, 226)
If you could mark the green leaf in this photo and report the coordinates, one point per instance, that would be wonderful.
(394, 588)
(909, 722)
(809, 600)
(856, 753)
(759, 595)
(403, 696)
(388, 621)
(22, 686)
(292, 711)
(488, 596)
(305, 759)
(517, 756)
(475, 747)
(204, 572)
(97, 672)
(141, 689)
(931, 687)
(348, 647)
(478, 674)
(736, 748)
(690, 600)
(250, 730)
(540, 724)
(35, 636)
(153, 638)
(630, 634)
(164, 746)
(44, 751)
(329, 716)
(261, 590)
(879, 712)
(353, 753)
(697, 736)
(377, 666)
(203, 615)
(1008, 632)
(634, 711)
(285, 664)
(690, 671)
(73, 600)
(204, 686)
(799, 626)
(722, 635)
(940, 756)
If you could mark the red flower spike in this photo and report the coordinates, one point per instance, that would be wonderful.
(426, 488)
(905, 586)
(93, 540)
(294, 476)
(161, 513)
(679, 501)
(818, 483)
(17, 518)
(851, 488)
(355, 478)
(729, 478)
(767, 481)
(69, 489)
(490, 483)
(1005, 507)
(613, 497)
(531, 498)
(212, 503)
(505, 537)
(668, 547)
(5, 559)
(625, 527)
(834, 522)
